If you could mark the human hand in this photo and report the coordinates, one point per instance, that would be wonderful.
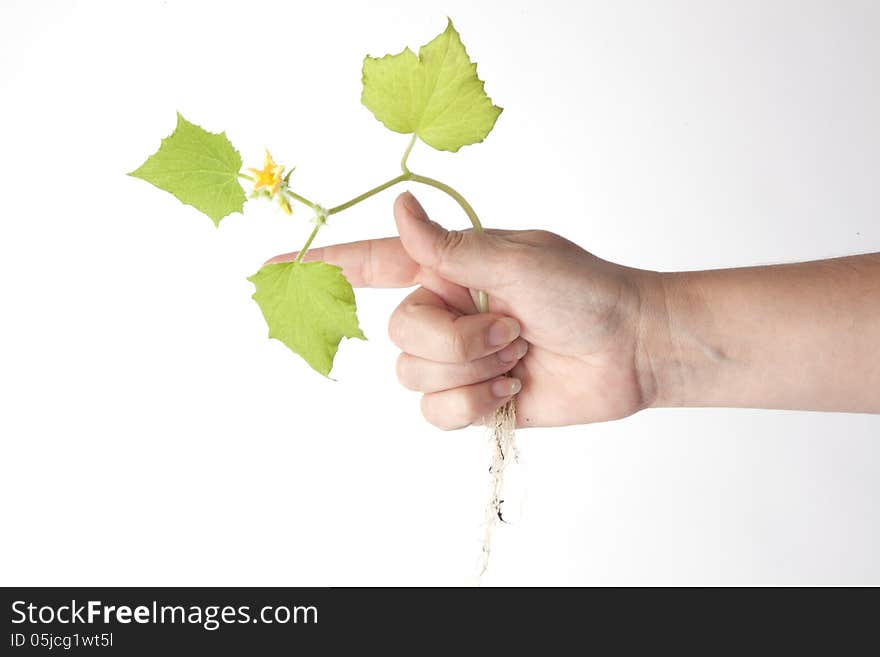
(565, 325)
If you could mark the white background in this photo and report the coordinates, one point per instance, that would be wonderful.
(151, 434)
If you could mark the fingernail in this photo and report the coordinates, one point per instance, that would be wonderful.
(503, 331)
(506, 387)
(513, 352)
(411, 203)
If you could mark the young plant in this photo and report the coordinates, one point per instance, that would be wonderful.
(436, 97)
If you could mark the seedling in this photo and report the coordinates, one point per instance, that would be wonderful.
(436, 97)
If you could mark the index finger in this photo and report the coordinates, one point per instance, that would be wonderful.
(368, 263)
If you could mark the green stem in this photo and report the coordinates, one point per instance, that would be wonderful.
(369, 193)
(412, 142)
(424, 180)
(443, 187)
(245, 176)
(308, 243)
(301, 199)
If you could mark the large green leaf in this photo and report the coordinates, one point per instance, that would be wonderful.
(199, 167)
(436, 95)
(310, 307)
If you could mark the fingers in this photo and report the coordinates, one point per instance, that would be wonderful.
(456, 359)
(424, 326)
(369, 263)
(430, 376)
(460, 407)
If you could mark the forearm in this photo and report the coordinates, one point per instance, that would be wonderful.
(801, 336)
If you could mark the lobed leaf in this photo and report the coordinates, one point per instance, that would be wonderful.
(199, 167)
(310, 307)
(436, 95)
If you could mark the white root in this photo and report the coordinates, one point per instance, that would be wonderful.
(503, 446)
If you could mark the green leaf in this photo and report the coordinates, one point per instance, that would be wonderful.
(310, 307)
(436, 95)
(199, 167)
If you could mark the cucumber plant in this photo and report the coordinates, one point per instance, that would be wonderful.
(437, 97)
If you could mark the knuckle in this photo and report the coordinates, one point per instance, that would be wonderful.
(368, 265)
(479, 370)
(470, 408)
(395, 327)
(458, 347)
(435, 415)
(448, 242)
(405, 374)
(429, 412)
(542, 235)
(497, 366)
(466, 408)
(518, 255)
(531, 255)
(536, 238)
(474, 370)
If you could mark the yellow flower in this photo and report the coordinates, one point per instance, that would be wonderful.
(269, 177)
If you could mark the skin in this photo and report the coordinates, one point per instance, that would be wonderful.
(579, 339)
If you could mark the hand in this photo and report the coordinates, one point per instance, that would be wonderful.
(564, 324)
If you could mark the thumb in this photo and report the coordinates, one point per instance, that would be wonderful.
(467, 258)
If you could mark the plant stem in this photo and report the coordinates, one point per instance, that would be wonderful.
(443, 187)
(308, 243)
(424, 180)
(412, 142)
(369, 193)
(245, 176)
(301, 199)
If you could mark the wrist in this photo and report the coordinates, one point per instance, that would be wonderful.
(664, 369)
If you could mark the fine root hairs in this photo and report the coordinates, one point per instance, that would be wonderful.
(502, 442)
